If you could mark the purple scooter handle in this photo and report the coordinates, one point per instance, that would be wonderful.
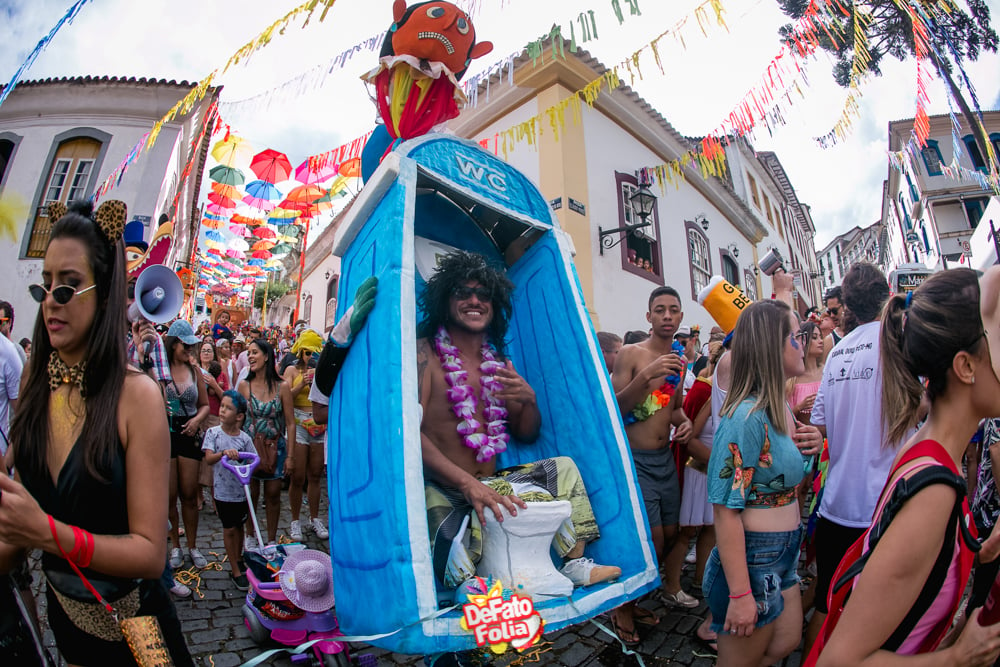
(243, 471)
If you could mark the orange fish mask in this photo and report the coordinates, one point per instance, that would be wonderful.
(435, 32)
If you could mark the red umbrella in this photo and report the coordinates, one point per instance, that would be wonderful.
(216, 251)
(271, 166)
(221, 200)
(261, 254)
(264, 232)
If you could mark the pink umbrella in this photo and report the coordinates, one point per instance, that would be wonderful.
(258, 203)
(239, 230)
(310, 172)
(271, 166)
(230, 266)
(235, 254)
(218, 210)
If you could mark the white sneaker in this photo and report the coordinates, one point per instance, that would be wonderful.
(319, 528)
(180, 590)
(176, 558)
(197, 559)
(691, 556)
(250, 544)
(295, 532)
(584, 572)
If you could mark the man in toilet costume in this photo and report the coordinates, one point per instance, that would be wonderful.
(473, 402)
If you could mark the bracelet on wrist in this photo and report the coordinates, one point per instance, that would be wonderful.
(741, 595)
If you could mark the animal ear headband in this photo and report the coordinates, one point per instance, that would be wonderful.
(109, 217)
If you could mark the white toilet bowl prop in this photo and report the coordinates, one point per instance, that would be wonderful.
(517, 551)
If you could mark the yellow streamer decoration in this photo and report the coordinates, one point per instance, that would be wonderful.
(243, 53)
(859, 72)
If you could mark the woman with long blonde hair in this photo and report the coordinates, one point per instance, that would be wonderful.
(750, 581)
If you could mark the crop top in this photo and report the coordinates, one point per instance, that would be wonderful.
(752, 464)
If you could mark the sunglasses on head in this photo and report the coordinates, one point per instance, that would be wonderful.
(463, 292)
(60, 295)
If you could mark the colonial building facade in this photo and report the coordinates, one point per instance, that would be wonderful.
(60, 139)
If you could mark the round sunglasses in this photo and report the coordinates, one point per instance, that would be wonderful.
(60, 295)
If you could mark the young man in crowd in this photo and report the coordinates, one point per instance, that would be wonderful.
(848, 411)
(833, 302)
(648, 379)
(610, 344)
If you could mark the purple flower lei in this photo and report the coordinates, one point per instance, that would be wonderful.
(463, 398)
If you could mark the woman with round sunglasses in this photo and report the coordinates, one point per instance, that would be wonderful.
(91, 458)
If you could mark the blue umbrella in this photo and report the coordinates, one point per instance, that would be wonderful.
(213, 216)
(255, 262)
(213, 235)
(263, 190)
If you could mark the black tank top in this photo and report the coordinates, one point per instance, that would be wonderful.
(79, 499)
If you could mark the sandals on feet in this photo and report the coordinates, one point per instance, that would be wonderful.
(645, 617)
(628, 637)
(707, 644)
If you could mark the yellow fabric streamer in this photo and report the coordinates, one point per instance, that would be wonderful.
(244, 52)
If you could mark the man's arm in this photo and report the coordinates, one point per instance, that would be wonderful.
(632, 385)
(523, 418)
(682, 425)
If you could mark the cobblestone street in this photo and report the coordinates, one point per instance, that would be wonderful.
(212, 620)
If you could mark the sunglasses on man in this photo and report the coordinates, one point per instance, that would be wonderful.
(463, 292)
(60, 295)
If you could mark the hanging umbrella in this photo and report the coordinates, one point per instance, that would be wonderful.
(311, 171)
(264, 232)
(239, 219)
(216, 209)
(231, 151)
(261, 254)
(224, 202)
(230, 266)
(239, 244)
(203, 283)
(239, 230)
(281, 249)
(351, 168)
(305, 193)
(208, 243)
(262, 190)
(283, 216)
(271, 166)
(213, 235)
(235, 254)
(214, 216)
(209, 223)
(255, 262)
(287, 239)
(248, 281)
(226, 190)
(272, 268)
(263, 244)
(216, 251)
(258, 203)
(288, 230)
(227, 176)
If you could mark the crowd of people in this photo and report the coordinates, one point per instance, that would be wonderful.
(868, 410)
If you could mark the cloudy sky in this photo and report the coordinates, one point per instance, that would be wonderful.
(705, 78)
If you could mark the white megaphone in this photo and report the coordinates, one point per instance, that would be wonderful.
(159, 295)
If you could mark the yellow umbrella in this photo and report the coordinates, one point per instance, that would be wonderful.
(233, 151)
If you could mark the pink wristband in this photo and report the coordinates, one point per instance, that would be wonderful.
(741, 595)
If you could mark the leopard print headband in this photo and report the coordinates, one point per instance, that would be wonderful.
(109, 217)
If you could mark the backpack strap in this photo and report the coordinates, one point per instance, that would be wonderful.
(903, 490)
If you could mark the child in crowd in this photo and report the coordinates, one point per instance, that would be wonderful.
(228, 439)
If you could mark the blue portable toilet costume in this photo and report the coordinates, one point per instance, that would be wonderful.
(430, 195)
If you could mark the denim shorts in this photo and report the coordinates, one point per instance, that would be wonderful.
(772, 563)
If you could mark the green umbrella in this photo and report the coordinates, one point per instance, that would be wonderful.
(226, 175)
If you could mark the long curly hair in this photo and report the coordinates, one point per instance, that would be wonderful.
(456, 269)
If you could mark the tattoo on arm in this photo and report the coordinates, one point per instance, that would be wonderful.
(423, 358)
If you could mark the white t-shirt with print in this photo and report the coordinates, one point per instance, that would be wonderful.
(849, 404)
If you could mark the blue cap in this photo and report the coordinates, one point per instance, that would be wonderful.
(182, 329)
